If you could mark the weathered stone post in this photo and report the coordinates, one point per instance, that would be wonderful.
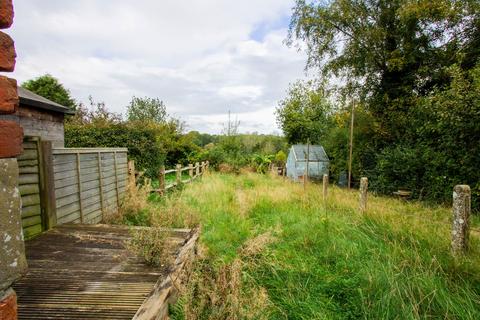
(161, 180)
(325, 187)
(197, 169)
(363, 194)
(179, 174)
(461, 219)
(131, 175)
(190, 170)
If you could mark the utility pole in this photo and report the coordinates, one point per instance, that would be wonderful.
(305, 178)
(351, 146)
(229, 124)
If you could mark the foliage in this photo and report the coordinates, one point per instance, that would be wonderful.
(49, 87)
(147, 110)
(302, 115)
(238, 150)
(141, 141)
(321, 260)
(261, 163)
(280, 158)
(388, 51)
(442, 142)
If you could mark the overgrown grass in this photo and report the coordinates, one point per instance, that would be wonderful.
(275, 251)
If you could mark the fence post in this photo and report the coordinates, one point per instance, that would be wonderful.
(207, 164)
(179, 174)
(161, 180)
(131, 174)
(363, 194)
(47, 192)
(190, 170)
(461, 219)
(197, 169)
(80, 189)
(202, 170)
(325, 187)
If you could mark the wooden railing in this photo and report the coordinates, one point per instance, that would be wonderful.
(194, 171)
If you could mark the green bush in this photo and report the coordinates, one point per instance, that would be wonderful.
(141, 141)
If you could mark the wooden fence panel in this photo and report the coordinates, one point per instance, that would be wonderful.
(29, 187)
(89, 183)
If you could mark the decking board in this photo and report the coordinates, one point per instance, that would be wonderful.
(85, 272)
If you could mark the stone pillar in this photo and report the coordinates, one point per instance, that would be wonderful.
(13, 263)
(325, 187)
(461, 219)
(363, 194)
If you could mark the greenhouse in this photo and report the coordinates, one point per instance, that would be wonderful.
(298, 167)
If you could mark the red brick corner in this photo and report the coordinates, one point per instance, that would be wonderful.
(8, 306)
(7, 53)
(6, 13)
(11, 138)
(8, 95)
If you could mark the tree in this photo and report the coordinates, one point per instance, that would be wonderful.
(388, 51)
(49, 87)
(303, 114)
(147, 110)
(97, 114)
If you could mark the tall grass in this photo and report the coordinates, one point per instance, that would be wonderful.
(273, 250)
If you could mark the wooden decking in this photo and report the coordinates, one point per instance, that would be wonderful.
(85, 272)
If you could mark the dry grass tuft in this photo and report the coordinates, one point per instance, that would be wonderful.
(255, 246)
(135, 201)
(152, 245)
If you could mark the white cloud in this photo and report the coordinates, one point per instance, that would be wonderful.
(198, 56)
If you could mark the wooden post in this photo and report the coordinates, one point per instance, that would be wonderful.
(179, 174)
(363, 194)
(47, 191)
(325, 187)
(79, 175)
(190, 170)
(202, 168)
(305, 171)
(131, 174)
(117, 189)
(351, 147)
(102, 196)
(461, 219)
(207, 164)
(197, 169)
(161, 180)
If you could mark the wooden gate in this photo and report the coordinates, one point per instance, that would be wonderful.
(30, 181)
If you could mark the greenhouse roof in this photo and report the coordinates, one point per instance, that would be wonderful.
(316, 153)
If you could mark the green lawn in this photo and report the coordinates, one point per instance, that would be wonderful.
(272, 251)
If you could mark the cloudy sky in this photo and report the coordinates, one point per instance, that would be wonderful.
(201, 57)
